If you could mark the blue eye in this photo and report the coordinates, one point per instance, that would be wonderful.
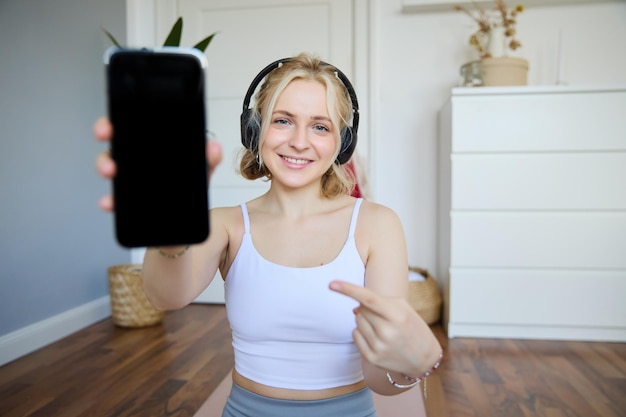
(281, 121)
(321, 128)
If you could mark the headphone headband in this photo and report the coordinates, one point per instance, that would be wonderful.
(250, 135)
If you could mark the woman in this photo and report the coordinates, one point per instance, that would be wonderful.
(315, 280)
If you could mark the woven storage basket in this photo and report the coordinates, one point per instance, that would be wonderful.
(424, 296)
(129, 305)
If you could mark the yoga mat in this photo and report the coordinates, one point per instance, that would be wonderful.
(407, 404)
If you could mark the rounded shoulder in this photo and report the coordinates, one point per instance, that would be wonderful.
(228, 218)
(374, 215)
(381, 241)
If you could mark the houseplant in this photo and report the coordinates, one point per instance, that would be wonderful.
(173, 38)
(495, 36)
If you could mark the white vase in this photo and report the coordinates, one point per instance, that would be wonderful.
(504, 70)
(496, 44)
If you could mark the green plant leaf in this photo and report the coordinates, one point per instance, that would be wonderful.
(173, 39)
(111, 37)
(204, 43)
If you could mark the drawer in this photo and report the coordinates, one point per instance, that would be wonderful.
(538, 239)
(539, 181)
(538, 297)
(539, 122)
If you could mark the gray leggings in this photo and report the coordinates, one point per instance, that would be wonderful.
(243, 403)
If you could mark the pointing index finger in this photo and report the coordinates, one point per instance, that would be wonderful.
(365, 296)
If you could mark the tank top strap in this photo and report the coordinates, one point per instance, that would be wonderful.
(355, 216)
(246, 218)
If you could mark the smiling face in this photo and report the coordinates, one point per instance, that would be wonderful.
(301, 142)
(332, 101)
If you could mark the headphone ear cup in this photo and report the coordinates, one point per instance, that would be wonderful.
(249, 129)
(348, 140)
(348, 144)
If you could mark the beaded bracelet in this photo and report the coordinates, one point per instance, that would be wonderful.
(414, 381)
(173, 255)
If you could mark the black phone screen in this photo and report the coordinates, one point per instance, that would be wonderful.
(156, 107)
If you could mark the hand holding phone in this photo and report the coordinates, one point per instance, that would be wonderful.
(158, 146)
(105, 166)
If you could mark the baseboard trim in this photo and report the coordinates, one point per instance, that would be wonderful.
(542, 332)
(30, 338)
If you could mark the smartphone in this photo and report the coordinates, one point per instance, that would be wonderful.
(156, 104)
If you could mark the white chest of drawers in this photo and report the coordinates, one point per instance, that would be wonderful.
(532, 212)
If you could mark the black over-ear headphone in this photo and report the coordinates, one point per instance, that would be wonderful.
(250, 122)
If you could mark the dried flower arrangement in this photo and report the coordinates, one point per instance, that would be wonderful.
(499, 16)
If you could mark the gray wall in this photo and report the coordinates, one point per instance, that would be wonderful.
(55, 243)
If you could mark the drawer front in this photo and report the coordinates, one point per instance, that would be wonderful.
(537, 181)
(538, 297)
(538, 239)
(539, 122)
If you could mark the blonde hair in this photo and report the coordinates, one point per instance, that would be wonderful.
(336, 180)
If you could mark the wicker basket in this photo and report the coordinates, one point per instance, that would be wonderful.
(424, 296)
(129, 305)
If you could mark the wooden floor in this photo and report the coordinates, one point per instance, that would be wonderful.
(170, 369)
(165, 370)
(523, 378)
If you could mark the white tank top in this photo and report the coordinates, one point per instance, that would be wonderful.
(289, 329)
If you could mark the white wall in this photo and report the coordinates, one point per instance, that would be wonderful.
(417, 62)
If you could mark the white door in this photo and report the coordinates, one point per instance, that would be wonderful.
(251, 34)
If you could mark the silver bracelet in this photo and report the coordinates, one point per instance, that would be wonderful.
(414, 381)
